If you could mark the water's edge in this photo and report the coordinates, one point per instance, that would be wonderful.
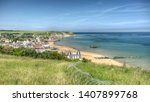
(136, 53)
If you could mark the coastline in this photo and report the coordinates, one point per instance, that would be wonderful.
(88, 55)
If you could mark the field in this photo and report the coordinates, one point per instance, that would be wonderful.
(33, 32)
(116, 75)
(28, 71)
(23, 70)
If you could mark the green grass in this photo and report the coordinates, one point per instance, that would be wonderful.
(28, 71)
(22, 70)
(33, 31)
(116, 75)
(18, 31)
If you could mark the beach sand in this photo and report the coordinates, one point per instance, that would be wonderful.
(88, 55)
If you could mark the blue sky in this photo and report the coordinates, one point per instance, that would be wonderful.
(75, 15)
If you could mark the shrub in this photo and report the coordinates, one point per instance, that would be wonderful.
(85, 60)
(31, 53)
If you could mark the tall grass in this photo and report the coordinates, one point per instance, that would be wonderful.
(28, 71)
(23, 70)
(116, 75)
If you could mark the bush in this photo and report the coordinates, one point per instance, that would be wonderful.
(85, 60)
(72, 60)
(31, 53)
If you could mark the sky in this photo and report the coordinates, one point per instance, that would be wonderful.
(75, 15)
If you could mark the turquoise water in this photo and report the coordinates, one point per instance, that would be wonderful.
(135, 47)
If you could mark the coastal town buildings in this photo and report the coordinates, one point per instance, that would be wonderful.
(38, 43)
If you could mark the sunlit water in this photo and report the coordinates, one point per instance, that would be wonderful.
(135, 47)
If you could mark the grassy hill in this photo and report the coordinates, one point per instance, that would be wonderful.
(116, 75)
(23, 70)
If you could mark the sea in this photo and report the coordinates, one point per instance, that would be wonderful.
(132, 48)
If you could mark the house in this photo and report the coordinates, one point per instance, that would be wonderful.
(46, 46)
(27, 44)
(17, 44)
(76, 55)
(38, 47)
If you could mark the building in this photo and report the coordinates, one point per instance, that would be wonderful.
(27, 44)
(76, 55)
(38, 47)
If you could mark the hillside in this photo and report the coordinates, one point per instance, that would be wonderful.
(24, 70)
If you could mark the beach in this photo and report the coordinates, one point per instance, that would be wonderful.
(88, 55)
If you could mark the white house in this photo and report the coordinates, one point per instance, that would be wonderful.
(76, 55)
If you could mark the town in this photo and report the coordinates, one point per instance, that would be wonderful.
(39, 41)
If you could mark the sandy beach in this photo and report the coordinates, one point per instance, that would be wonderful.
(88, 55)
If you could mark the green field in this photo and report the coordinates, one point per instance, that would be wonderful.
(29, 71)
(34, 32)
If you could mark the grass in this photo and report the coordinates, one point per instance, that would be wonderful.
(116, 75)
(28, 71)
(18, 31)
(32, 31)
(23, 70)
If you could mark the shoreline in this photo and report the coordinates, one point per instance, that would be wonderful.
(88, 55)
